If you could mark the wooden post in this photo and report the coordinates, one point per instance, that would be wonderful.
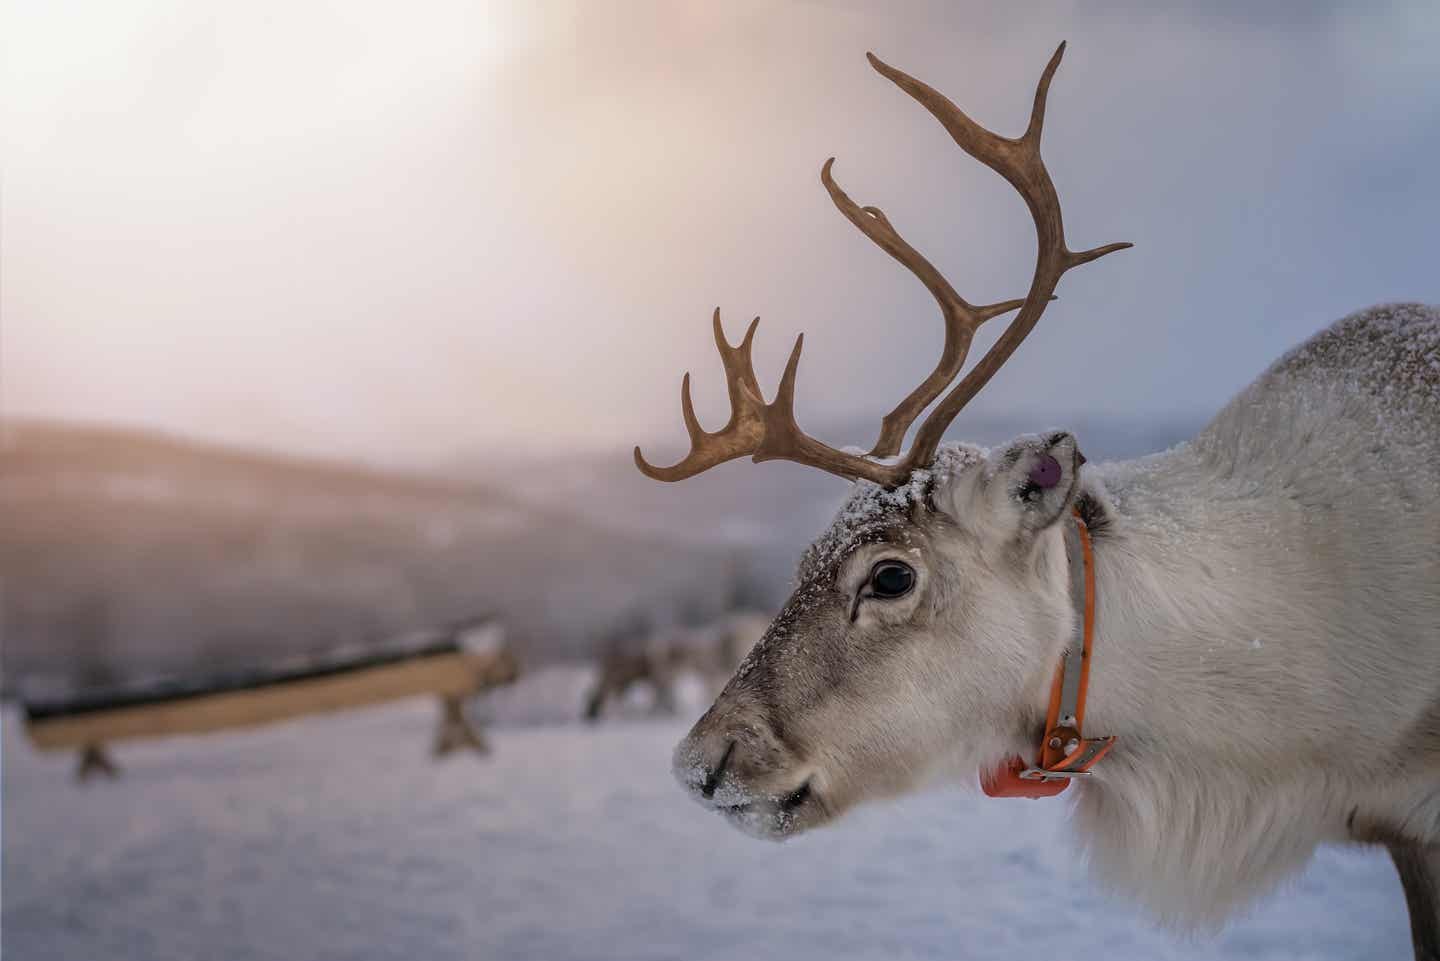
(93, 759)
(455, 730)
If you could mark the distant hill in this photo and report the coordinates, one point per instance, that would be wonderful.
(125, 552)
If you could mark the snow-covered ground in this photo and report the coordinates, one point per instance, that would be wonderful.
(337, 837)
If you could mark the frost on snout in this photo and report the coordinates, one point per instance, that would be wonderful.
(732, 763)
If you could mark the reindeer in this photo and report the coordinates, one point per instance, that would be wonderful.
(641, 656)
(642, 659)
(1252, 617)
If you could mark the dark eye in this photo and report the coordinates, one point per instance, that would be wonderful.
(890, 579)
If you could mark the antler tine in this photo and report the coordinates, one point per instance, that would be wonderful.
(764, 431)
(739, 367)
(1019, 162)
(740, 435)
(962, 318)
(784, 440)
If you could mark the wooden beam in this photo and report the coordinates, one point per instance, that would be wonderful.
(452, 674)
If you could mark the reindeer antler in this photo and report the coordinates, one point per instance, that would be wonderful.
(769, 431)
(764, 431)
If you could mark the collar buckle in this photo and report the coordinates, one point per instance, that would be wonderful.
(1040, 774)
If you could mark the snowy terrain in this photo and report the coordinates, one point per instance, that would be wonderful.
(337, 837)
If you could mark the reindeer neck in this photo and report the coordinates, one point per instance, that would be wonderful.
(1187, 568)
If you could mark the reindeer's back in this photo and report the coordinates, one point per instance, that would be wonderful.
(1354, 410)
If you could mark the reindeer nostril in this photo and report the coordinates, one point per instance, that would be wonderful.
(707, 790)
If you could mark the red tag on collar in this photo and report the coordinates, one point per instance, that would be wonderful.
(1005, 781)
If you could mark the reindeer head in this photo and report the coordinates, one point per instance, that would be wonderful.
(929, 616)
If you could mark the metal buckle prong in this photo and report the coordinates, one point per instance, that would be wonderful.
(1040, 774)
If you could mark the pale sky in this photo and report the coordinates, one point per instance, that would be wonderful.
(407, 231)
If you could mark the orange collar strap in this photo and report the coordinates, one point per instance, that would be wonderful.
(1065, 752)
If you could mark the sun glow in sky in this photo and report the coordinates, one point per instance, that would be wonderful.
(401, 232)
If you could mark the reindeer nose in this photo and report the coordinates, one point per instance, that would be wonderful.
(701, 761)
(734, 763)
(720, 764)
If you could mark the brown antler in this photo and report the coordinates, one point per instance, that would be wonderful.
(764, 431)
(769, 431)
(961, 319)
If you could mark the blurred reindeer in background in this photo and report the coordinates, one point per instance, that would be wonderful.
(639, 654)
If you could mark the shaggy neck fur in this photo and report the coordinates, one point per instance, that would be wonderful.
(1252, 727)
(1195, 811)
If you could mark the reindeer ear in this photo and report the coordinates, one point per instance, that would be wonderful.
(1033, 482)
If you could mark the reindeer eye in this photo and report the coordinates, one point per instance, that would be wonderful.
(891, 579)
